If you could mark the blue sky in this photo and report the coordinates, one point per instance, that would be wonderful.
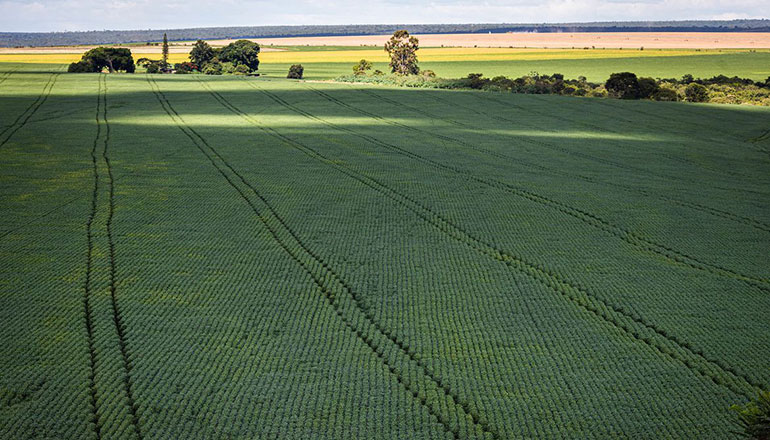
(79, 15)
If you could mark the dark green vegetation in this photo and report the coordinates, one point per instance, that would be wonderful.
(624, 85)
(12, 39)
(231, 257)
(755, 417)
(100, 58)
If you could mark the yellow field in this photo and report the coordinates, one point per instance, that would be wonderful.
(426, 54)
(66, 58)
(476, 54)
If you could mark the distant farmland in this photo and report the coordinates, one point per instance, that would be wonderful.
(200, 257)
(328, 62)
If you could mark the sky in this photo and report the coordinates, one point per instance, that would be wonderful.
(82, 15)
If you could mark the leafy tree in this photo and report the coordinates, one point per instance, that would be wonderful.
(114, 59)
(754, 417)
(151, 66)
(296, 71)
(164, 52)
(241, 52)
(623, 85)
(362, 67)
(201, 53)
(695, 92)
(647, 87)
(402, 49)
(687, 79)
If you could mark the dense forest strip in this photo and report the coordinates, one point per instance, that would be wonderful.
(631, 237)
(343, 298)
(616, 315)
(12, 39)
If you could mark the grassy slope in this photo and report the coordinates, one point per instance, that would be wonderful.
(424, 263)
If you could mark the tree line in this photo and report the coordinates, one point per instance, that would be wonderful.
(20, 39)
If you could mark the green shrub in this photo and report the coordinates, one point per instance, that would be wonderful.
(82, 67)
(665, 94)
(228, 67)
(185, 67)
(754, 417)
(296, 71)
(241, 69)
(213, 68)
(695, 92)
(362, 67)
(647, 88)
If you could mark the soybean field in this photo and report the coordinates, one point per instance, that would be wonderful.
(195, 257)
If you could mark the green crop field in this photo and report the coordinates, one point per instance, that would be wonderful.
(328, 62)
(196, 257)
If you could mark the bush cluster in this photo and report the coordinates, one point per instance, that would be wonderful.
(623, 85)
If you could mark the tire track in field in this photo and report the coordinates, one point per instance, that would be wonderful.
(636, 240)
(756, 224)
(93, 404)
(719, 145)
(117, 316)
(7, 74)
(573, 291)
(22, 119)
(101, 160)
(393, 353)
(136, 172)
(483, 96)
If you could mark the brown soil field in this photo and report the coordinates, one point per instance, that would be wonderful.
(653, 40)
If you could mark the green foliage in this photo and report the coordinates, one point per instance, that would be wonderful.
(212, 68)
(241, 69)
(241, 52)
(99, 58)
(164, 52)
(402, 49)
(296, 71)
(82, 67)
(362, 67)
(623, 85)
(201, 53)
(665, 94)
(754, 417)
(228, 67)
(695, 92)
(648, 87)
(185, 67)
(151, 66)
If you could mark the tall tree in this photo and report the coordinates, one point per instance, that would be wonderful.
(402, 49)
(165, 51)
(241, 52)
(201, 53)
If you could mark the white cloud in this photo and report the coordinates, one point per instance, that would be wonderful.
(50, 15)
